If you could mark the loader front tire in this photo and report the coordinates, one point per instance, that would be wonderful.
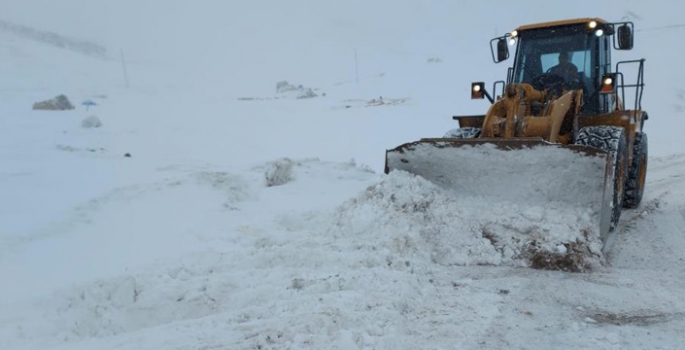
(463, 133)
(610, 139)
(637, 173)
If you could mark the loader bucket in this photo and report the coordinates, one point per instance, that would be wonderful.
(526, 171)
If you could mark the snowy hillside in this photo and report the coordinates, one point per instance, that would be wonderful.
(215, 208)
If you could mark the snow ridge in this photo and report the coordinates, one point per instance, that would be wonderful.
(53, 39)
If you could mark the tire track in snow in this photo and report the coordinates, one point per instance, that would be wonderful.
(653, 235)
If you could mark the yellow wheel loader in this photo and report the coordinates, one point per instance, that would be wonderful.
(560, 113)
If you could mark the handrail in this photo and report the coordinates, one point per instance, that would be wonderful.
(639, 86)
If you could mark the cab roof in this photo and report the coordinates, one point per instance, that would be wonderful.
(560, 23)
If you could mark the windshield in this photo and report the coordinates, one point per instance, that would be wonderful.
(545, 51)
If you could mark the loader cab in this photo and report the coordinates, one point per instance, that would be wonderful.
(588, 46)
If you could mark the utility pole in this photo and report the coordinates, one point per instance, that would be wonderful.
(123, 63)
(356, 67)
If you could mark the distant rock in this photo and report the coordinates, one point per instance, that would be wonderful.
(283, 86)
(299, 91)
(91, 122)
(307, 93)
(59, 103)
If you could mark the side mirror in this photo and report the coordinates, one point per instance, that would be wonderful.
(499, 49)
(502, 50)
(625, 37)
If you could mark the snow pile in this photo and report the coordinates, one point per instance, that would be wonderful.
(279, 172)
(91, 122)
(547, 174)
(413, 218)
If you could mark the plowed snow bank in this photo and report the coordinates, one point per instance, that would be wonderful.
(415, 218)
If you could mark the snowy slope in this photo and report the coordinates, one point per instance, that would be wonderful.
(184, 245)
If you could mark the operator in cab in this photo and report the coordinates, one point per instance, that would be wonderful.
(565, 69)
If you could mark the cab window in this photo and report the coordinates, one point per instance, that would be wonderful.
(581, 59)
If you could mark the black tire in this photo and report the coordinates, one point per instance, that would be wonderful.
(610, 139)
(637, 173)
(463, 133)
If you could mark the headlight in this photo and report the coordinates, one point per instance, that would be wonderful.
(599, 32)
(478, 90)
(608, 83)
(592, 24)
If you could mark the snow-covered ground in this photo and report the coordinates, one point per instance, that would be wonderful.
(211, 211)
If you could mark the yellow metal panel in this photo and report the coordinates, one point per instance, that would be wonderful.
(560, 23)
